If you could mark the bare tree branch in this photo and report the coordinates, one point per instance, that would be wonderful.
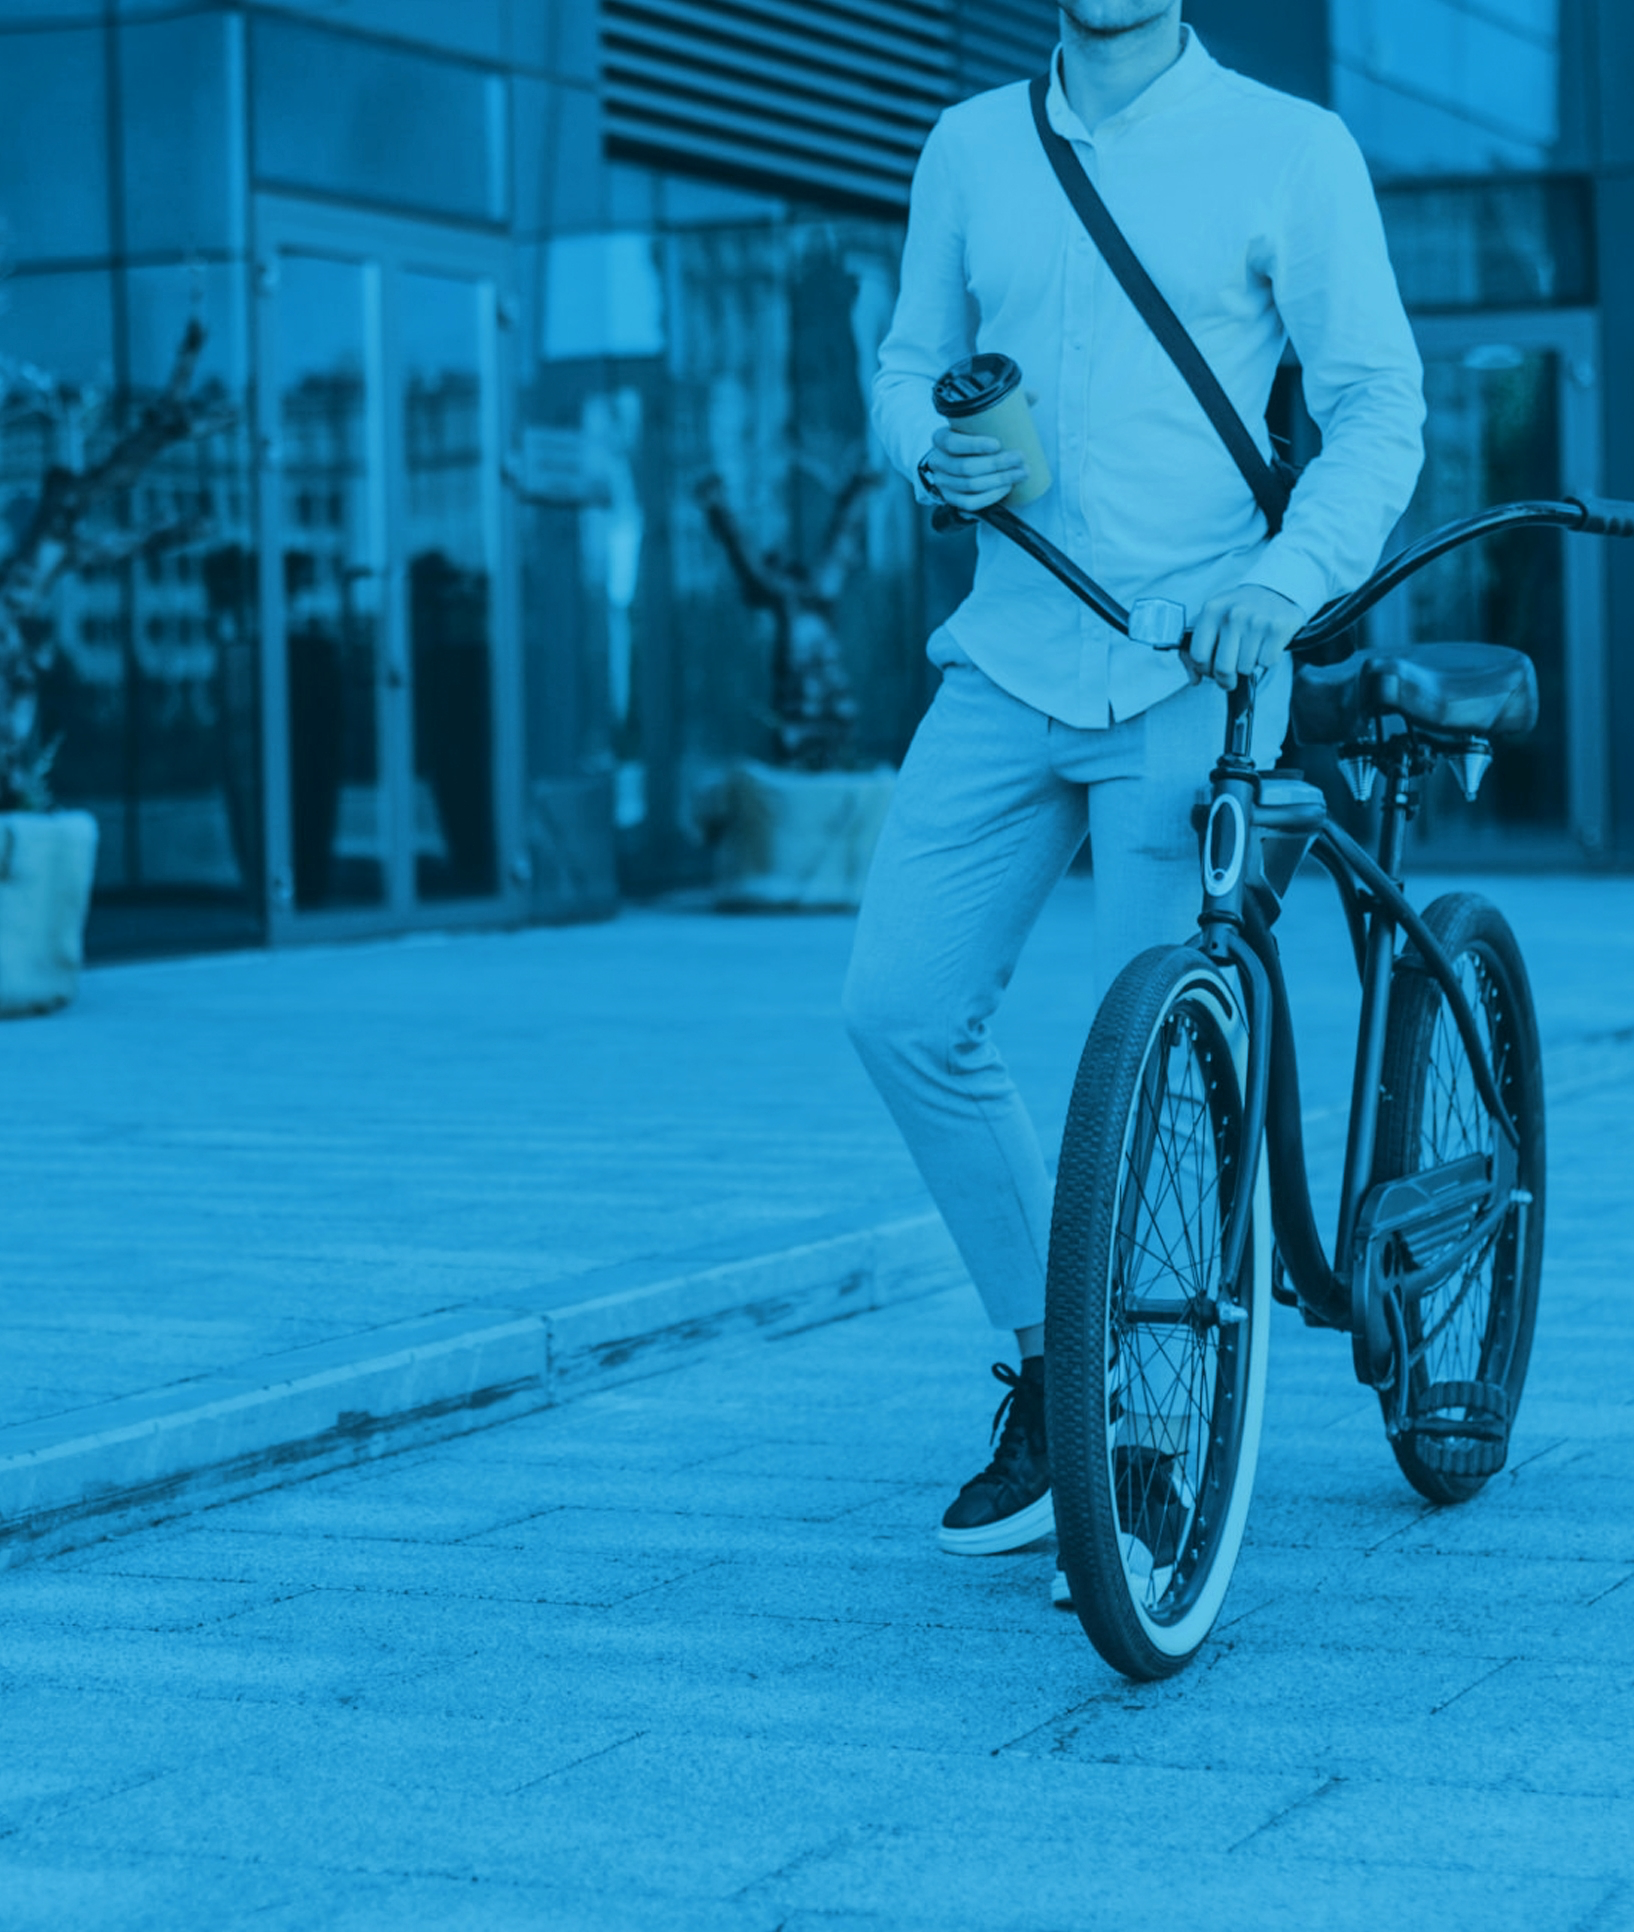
(54, 545)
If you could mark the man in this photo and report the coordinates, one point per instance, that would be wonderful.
(1253, 213)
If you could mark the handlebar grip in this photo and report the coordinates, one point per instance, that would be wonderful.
(1606, 516)
(944, 517)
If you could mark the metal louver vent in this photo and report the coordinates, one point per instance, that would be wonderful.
(1003, 40)
(821, 97)
(825, 95)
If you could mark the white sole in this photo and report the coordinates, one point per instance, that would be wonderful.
(994, 1539)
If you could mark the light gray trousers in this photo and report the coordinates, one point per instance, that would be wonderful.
(992, 803)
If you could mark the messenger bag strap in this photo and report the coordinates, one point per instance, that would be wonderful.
(1271, 491)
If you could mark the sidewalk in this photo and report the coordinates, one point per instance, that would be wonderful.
(683, 1655)
(296, 1201)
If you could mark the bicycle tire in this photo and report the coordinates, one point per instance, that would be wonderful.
(1476, 1331)
(1149, 1550)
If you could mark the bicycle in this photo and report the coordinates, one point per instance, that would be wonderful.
(1182, 1205)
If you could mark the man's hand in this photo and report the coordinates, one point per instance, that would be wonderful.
(973, 472)
(1242, 631)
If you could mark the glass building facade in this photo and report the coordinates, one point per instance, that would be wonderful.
(1486, 127)
(447, 634)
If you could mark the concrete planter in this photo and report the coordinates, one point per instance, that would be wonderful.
(47, 860)
(798, 840)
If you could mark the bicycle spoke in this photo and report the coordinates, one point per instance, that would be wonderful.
(1171, 1228)
(1452, 1325)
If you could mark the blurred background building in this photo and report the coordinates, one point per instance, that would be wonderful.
(497, 283)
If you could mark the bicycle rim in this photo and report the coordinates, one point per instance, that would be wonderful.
(1475, 1328)
(1158, 1377)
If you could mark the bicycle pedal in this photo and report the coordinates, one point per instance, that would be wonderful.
(1461, 1428)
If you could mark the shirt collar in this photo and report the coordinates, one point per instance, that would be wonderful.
(1172, 86)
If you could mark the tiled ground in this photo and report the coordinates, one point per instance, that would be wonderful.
(684, 1654)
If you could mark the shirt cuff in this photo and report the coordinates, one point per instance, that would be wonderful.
(1293, 575)
(911, 444)
(921, 485)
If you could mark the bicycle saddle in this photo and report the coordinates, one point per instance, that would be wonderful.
(1479, 690)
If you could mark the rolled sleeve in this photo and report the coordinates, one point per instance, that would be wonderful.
(933, 324)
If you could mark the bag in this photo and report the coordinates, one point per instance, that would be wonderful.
(1272, 482)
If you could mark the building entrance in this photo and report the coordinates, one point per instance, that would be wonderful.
(385, 587)
(1513, 414)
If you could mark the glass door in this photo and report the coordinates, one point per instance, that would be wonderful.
(448, 518)
(1512, 415)
(328, 508)
(389, 800)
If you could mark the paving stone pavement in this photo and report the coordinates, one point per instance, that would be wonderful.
(683, 1653)
(211, 1161)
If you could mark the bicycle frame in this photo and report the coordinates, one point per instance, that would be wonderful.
(1349, 1293)
(1239, 910)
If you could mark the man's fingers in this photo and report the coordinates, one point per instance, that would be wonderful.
(1227, 654)
(957, 443)
(973, 481)
(973, 490)
(976, 471)
(975, 496)
(1205, 634)
(1242, 633)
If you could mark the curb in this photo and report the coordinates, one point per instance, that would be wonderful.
(73, 1479)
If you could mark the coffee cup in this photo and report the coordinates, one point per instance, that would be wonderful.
(983, 396)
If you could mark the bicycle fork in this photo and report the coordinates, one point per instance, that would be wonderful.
(1226, 851)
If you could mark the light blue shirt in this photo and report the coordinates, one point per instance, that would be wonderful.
(1253, 213)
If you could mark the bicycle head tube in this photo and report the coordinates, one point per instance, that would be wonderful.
(1228, 830)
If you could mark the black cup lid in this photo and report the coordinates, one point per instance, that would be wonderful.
(975, 384)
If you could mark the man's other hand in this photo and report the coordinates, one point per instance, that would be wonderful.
(973, 472)
(1242, 631)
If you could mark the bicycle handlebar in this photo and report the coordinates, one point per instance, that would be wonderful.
(1587, 515)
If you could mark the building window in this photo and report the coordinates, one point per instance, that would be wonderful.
(1449, 86)
(1492, 244)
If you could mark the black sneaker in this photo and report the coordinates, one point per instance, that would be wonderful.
(1008, 1504)
(1154, 1510)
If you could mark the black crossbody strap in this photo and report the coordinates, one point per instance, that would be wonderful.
(1271, 491)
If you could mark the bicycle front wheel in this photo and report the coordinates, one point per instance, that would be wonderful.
(1470, 1338)
(1156, 1367)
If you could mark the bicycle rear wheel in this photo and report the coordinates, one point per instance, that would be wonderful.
(1471, 1336)
(1156, 1368)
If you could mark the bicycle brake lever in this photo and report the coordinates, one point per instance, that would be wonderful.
(944, 517)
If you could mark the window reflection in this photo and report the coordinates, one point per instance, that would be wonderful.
(1492, 244)
(449, 545)
(1494, 436)
(154, 694)
(1437, 86)
(377, 123)
(330, 490)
